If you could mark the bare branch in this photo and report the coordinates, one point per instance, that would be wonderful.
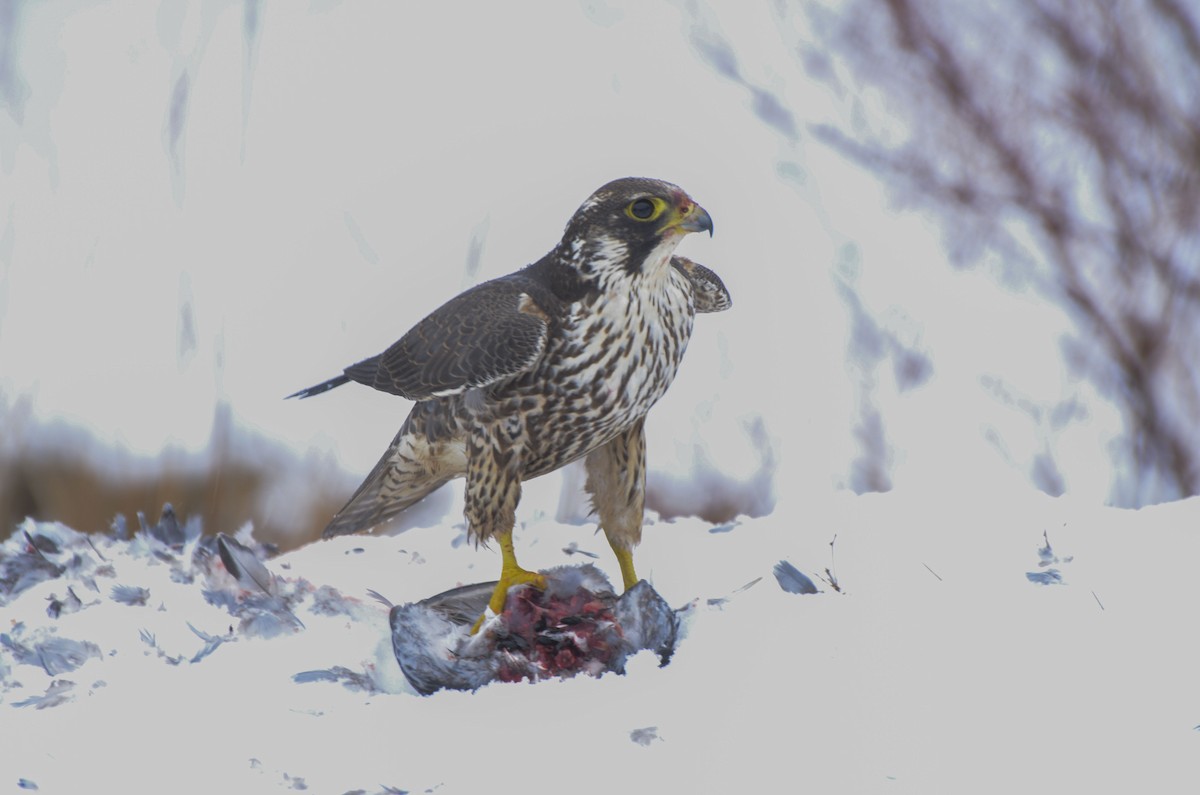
(1064, 139)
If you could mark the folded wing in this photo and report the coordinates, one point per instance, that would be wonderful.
(487, 334)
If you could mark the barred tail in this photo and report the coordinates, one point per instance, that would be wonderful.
(402, 478)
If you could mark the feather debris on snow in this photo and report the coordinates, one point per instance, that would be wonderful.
(59, 692)
(131, 595)
(54, 655)
(573, 549)
(61, 607)
(1047, 577)
(244, 565)
(45, 551)
(645, 735)
(25, 559)
(793, 580)
(262, 604)
(211, 643)
(1046, 559)
(351, 680)
(719, 602)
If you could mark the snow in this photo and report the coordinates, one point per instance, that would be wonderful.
(937, 665)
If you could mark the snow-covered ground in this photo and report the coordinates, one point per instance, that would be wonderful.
(941, 665)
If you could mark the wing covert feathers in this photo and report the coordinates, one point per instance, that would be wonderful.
(491, 332)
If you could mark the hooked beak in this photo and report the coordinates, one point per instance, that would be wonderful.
(690, 218)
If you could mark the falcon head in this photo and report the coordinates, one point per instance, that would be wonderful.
(630, 227)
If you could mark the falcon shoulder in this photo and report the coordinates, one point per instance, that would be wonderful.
(491, 332)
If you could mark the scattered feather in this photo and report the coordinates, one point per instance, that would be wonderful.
(119, 528)
(41, 544)
(329, 601)
(223, 599)
(749, 585)
(793, 580)
(211, 643)
(269, 620)
(131, 595)
(719, 602)
(1046, 559)
(573, 549)
(378, 597)
(245, 566)
(59, 692)
(59, 607)
(20, 652)
(349, 679)
(24, 565)
(295, 782)
(60, 655)
(1046, 555)
(54, 655)
(1047, 577)
(644, 736)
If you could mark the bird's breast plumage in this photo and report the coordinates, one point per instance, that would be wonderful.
(611, 357)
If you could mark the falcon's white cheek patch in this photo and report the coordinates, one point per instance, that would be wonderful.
(608, 257)
(609, 253)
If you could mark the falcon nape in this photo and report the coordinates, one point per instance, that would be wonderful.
(526, 373)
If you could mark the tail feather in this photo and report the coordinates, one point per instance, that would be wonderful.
(401, 479)
(370, 507)
(324, 386)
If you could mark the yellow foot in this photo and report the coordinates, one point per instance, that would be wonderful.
(624, 554)
(509, 578)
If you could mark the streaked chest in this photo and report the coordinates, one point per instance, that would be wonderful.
(618, 353)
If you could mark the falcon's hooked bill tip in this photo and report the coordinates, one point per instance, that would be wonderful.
(691, 217)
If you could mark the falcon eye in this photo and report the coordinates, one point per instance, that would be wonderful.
(645, 209)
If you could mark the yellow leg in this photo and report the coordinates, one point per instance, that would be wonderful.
(511, 574)
(616, 479)
(625, 559)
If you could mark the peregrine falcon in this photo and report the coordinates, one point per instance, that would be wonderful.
(526, 373)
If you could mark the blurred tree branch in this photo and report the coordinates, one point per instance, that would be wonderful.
(1062, 139)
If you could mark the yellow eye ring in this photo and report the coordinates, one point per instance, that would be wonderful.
(646, 208)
